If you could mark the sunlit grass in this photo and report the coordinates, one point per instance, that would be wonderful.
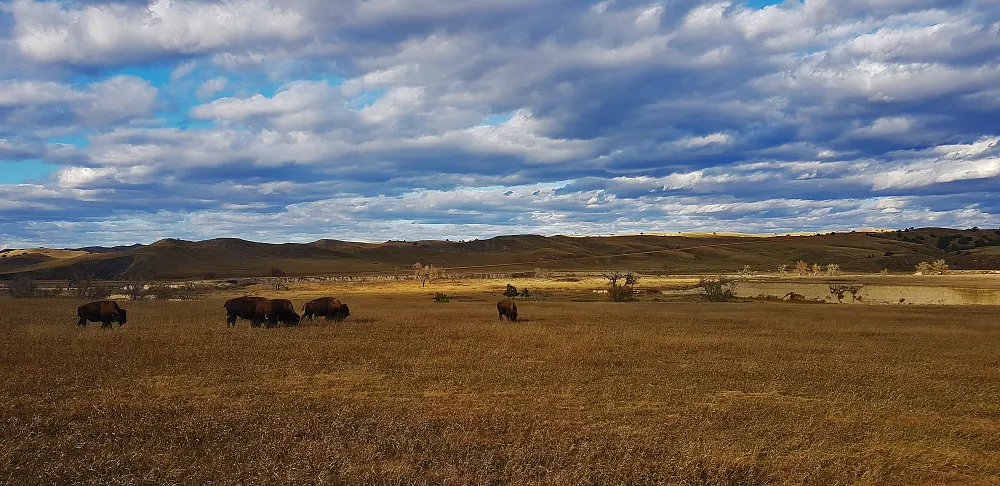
(410, 391)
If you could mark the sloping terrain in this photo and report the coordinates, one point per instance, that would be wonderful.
(228, 257)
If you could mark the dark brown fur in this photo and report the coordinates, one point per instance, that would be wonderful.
(106, 312)
(328, 307)
(271, 312)
(507, 308)
(241, 307)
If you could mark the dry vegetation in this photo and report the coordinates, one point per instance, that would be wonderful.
(408, 391)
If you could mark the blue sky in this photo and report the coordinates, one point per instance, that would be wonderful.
(125, 122)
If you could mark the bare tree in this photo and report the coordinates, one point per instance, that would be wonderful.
(620, 285)
(22, 286)
(81, 282)
(136, 282)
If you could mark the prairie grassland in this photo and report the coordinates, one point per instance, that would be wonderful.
(407, 391)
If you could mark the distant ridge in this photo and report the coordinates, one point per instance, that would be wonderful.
(106, 249)
(172, 258)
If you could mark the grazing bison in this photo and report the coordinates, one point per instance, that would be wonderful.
(271, 312)
(507, 308)
(328, 307)
(104, 311)
(241, 307)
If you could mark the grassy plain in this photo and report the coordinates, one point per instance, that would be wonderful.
(408, 391)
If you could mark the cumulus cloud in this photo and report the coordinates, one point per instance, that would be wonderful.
(113, 33)
(463, 119)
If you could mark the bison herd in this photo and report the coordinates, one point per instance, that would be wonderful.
(270, 312)
(259, 311)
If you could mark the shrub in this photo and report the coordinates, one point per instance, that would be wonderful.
(23, 286)
(816, 269)
(621, 285)
(277, 272)
(833, 269)
(783, 269)
(440, 297)
(801, 268)
(718, 288)
(937, 267)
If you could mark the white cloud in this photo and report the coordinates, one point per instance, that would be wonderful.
(114, 33)
(210, 87)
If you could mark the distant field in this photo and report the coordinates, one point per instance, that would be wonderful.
(407, 391)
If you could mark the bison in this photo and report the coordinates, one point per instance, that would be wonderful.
(241, 307)
(328, 307)
(104, 311)
(271, 312)
(507, 308)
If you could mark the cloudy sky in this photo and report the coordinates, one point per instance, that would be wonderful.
(293, 120)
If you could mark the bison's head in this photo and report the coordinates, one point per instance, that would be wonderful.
(120, 317)
(344, 311)
(292, 319)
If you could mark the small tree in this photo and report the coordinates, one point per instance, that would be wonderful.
(801, 268)
(23, 286)
(937, 267)
(621, 285)
(81, 283)
(135, 285)
(783, 269)
(511, 291)
(747, 272)
(833, 269)
(816, 269)
(718, 288)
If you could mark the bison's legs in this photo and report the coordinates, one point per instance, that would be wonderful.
(107, 325)
(231, 320)
(82, 322)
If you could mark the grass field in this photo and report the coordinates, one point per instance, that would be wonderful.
(407, 391)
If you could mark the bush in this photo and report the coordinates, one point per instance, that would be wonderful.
(23, 287)
(937, 267)
(718, 288)
(277, 272)
(801, 268)
(621, 285)
(440, 297)
(833, 269)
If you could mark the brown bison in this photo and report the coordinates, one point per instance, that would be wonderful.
(241, 307)
(104, 311)
(328, 307)
(271, 312)
(507, 308)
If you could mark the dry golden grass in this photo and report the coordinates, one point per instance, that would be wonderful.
(407, 391)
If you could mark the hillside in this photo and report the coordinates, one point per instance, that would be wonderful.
(227, 257)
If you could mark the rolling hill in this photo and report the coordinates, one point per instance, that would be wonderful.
(228, 257)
